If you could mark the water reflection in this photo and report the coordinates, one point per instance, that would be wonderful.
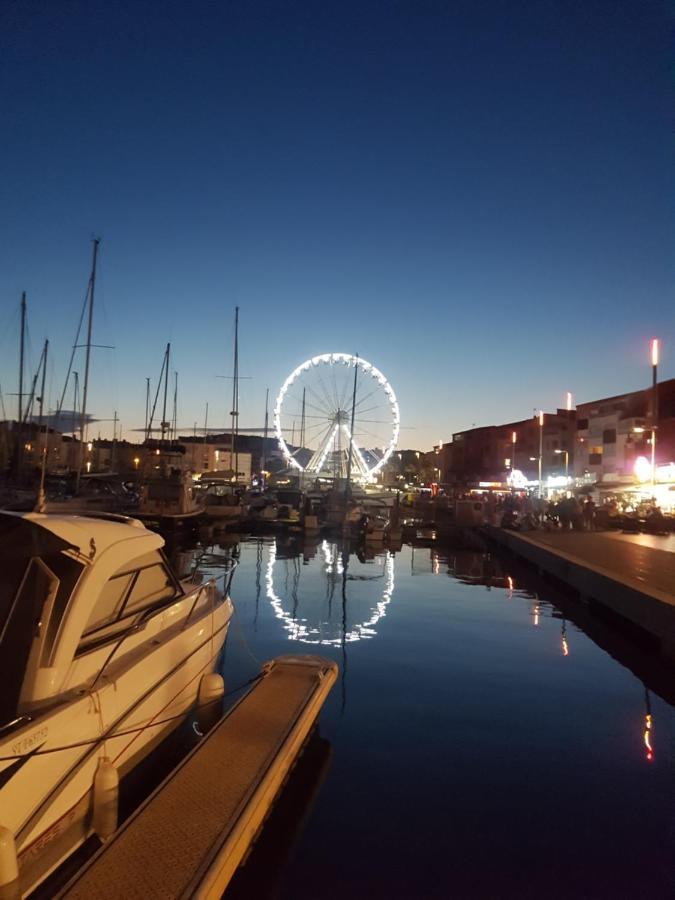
(318, 624)
(471, 644)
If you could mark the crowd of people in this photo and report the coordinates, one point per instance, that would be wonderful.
(568, 513)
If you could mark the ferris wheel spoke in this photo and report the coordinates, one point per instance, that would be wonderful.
(315, 430)
(329, 402)
(367, 397)
(349, 384)
(325, 401)
(362, 412)
(298, 400)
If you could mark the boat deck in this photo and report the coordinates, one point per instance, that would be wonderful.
(190, 835)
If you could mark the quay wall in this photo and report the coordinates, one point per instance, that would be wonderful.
(643, 605)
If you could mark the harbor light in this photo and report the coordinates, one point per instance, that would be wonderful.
(655, 351)
(642, 469)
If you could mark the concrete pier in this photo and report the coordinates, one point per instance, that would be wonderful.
(625, 573)
(190, 835)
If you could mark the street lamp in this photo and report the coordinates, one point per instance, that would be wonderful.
(541, 446)
(567, 457)
(655, 405)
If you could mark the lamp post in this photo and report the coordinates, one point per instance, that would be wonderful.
(655, 405)
(567, 457)
(541, 448)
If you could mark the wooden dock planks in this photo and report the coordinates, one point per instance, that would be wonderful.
(190, 835)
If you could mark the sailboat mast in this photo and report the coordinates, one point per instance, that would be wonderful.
(76, 398)
(302, 432)
(351, 430)
(174, 428)
(167, 356)
(234, 456)
(263, 464)
(22, 340)
(85, 389)
(42, 394)
(114, 443)
(147, 405)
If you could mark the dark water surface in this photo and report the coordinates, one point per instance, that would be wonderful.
(476, 744)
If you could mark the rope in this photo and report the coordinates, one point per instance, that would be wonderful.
(116, 734)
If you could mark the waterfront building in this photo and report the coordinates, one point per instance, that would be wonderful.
(489, 454)
(614, 432)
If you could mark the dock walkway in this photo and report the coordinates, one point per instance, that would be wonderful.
(626, 573)
(190, 835)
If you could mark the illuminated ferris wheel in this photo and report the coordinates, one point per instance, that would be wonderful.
(337, 416)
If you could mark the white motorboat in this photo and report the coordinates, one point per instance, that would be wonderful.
(102, 652)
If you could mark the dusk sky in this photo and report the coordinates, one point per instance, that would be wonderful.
(477, 197)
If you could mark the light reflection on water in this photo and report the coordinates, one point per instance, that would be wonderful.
(482, 744)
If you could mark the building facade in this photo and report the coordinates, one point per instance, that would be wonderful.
(491, 453)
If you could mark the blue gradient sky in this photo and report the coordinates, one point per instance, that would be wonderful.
(479, 198)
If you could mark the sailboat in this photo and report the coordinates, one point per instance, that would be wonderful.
(168, 499)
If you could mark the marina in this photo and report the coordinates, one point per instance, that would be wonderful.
(337, 452)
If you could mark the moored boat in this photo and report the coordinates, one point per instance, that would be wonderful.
(102, 652)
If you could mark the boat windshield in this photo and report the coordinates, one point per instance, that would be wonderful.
(36, 584)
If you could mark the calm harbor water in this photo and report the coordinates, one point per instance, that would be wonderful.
(477, 743)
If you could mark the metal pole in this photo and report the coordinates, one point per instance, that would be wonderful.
(234, 456)
(351, 430)
(92, 284)
(263, 464)
(147, 406)
(655, 415)
(21, 354)
(42, 391)
(541, 449)
(114, 442)
(167, 354)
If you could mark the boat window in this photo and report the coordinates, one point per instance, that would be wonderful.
(110, 602)
(152, 584)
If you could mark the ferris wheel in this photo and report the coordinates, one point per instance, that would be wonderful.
(337, 416)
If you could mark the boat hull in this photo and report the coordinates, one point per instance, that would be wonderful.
(46, 797)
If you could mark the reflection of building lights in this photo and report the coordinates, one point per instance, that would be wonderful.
(435, 563)
(88, 465)
(308, 634)
(536, 614)
(563, 639)
(648, 728)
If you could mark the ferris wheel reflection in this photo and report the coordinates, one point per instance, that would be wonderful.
(326, 631)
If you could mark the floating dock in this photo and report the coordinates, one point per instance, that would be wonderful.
(192, 832)
(632, 578)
